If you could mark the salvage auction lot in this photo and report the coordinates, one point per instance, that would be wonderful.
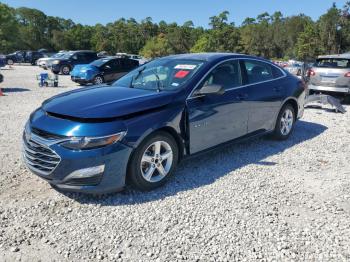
(260, 199)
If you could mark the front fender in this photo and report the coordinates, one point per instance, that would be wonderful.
(141, 126)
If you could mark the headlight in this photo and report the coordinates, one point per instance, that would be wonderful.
(56, 62)
(83, 70)
(84, 143)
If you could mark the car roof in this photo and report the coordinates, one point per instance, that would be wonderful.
(212, 56)
(82, 51)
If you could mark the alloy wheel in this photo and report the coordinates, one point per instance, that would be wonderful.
(156, 161)
(65, 70)
(98, 80)
(287, 121)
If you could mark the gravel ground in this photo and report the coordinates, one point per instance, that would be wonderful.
(258, 200)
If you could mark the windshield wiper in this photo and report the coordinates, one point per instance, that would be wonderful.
(159, 83)
(136, 77)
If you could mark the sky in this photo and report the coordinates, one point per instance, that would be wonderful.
(91, 12)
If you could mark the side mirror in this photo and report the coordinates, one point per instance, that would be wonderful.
(211, 90)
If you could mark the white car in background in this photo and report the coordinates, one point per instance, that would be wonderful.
(139, 58)
(43, 62)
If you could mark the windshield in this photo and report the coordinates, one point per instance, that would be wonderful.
(58, 55)
(100, 62)
(333, 63)
(161, 74)
(66, 55)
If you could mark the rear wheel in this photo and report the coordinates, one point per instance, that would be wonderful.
(98, 80)
(154, 161)
(285, 123)
(65, 70)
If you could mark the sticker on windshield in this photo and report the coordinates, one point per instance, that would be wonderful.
(186, 67)
(181, 74)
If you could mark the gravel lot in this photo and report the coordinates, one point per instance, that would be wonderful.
(259, 200)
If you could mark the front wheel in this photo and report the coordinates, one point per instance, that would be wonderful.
(285, 123)
(153, 162)
(98, 80)
(10, 62)
(65, 70)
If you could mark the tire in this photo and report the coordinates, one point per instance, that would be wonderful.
(65, 70)
(285, 123)
(10, 62)
(98, 80)
(148, 169)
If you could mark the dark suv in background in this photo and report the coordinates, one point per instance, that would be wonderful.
(33, 56)
(16, 57)
(66, 63)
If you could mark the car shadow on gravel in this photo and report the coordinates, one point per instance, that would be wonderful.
(206, 169)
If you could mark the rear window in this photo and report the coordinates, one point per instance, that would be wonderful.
(333, 63)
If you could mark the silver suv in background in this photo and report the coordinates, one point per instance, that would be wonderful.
(330, 74)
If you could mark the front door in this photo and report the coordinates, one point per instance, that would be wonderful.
(216, 119)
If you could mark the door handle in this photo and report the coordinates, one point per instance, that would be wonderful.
(242, 96)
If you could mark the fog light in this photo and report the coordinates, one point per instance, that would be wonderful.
(86, 172)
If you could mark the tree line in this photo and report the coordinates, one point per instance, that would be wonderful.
(273, 36)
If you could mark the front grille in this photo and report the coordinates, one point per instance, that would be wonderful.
(46, 135)
(39, 158)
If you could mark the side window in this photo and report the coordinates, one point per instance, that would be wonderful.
(108, 66)
(129, 64)
(81, 57)
(276, 72)
(257, 71)
(115, 64)
(90, 56)
(228, 75)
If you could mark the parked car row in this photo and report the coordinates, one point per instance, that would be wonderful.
(26, 56)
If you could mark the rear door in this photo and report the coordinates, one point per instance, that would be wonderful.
(265, 91)
(215, 119)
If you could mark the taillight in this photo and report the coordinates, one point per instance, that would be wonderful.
(347, 74)
(311, 72)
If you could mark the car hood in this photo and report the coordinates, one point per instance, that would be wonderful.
(78, 70)
(105, 102)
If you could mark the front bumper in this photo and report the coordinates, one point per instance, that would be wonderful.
(329, 89)
(80, 80)
(114, 158)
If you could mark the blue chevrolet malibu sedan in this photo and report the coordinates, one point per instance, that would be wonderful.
(95, 139)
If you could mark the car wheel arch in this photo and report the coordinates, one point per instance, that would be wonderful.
(167, 129)
(294, 103)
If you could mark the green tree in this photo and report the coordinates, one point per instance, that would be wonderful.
(8, 29)
(308, 45)
(329, 30)
(157, 47)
